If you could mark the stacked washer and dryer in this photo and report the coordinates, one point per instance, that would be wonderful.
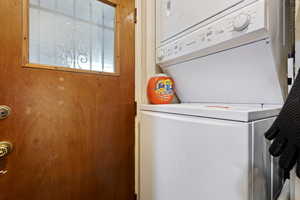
(229, 62)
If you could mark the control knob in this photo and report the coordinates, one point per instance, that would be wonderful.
(161, 55)
(241, 22)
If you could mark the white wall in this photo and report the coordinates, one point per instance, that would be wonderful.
(298, 34)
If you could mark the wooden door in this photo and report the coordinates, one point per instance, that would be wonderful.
(73, 132)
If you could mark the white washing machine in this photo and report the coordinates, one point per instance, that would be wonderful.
(229, 63)
(207, 151)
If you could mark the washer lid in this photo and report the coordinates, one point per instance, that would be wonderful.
(234, 112)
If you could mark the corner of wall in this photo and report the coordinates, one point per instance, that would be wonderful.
(145, 64)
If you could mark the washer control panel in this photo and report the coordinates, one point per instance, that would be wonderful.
(248, 20)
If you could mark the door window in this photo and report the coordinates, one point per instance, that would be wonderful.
(72, 34)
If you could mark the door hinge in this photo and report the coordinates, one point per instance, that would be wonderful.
(135, 15)
(135, 196)
(135, 108)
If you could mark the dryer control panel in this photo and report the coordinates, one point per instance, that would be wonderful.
(238, 28)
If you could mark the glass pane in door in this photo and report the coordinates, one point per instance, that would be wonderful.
(77, 34)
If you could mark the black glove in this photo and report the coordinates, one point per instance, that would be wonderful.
(286, 132)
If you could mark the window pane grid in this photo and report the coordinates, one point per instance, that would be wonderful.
(72, 33)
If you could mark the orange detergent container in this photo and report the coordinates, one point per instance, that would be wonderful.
(160, 89)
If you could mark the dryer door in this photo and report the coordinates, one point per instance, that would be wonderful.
(175, 16)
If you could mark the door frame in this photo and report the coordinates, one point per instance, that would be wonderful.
(145, 35)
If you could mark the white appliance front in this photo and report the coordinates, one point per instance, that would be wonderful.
(188, 157)
(245, 74)
(176, 16)
(239, 58)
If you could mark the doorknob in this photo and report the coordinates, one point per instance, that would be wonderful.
(4, 112)
(5, 149)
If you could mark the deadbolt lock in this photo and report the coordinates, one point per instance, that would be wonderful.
(5, 149)
(4, 112)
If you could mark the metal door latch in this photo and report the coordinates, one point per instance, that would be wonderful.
(5, 149)
(3, 172)
(4, 112)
